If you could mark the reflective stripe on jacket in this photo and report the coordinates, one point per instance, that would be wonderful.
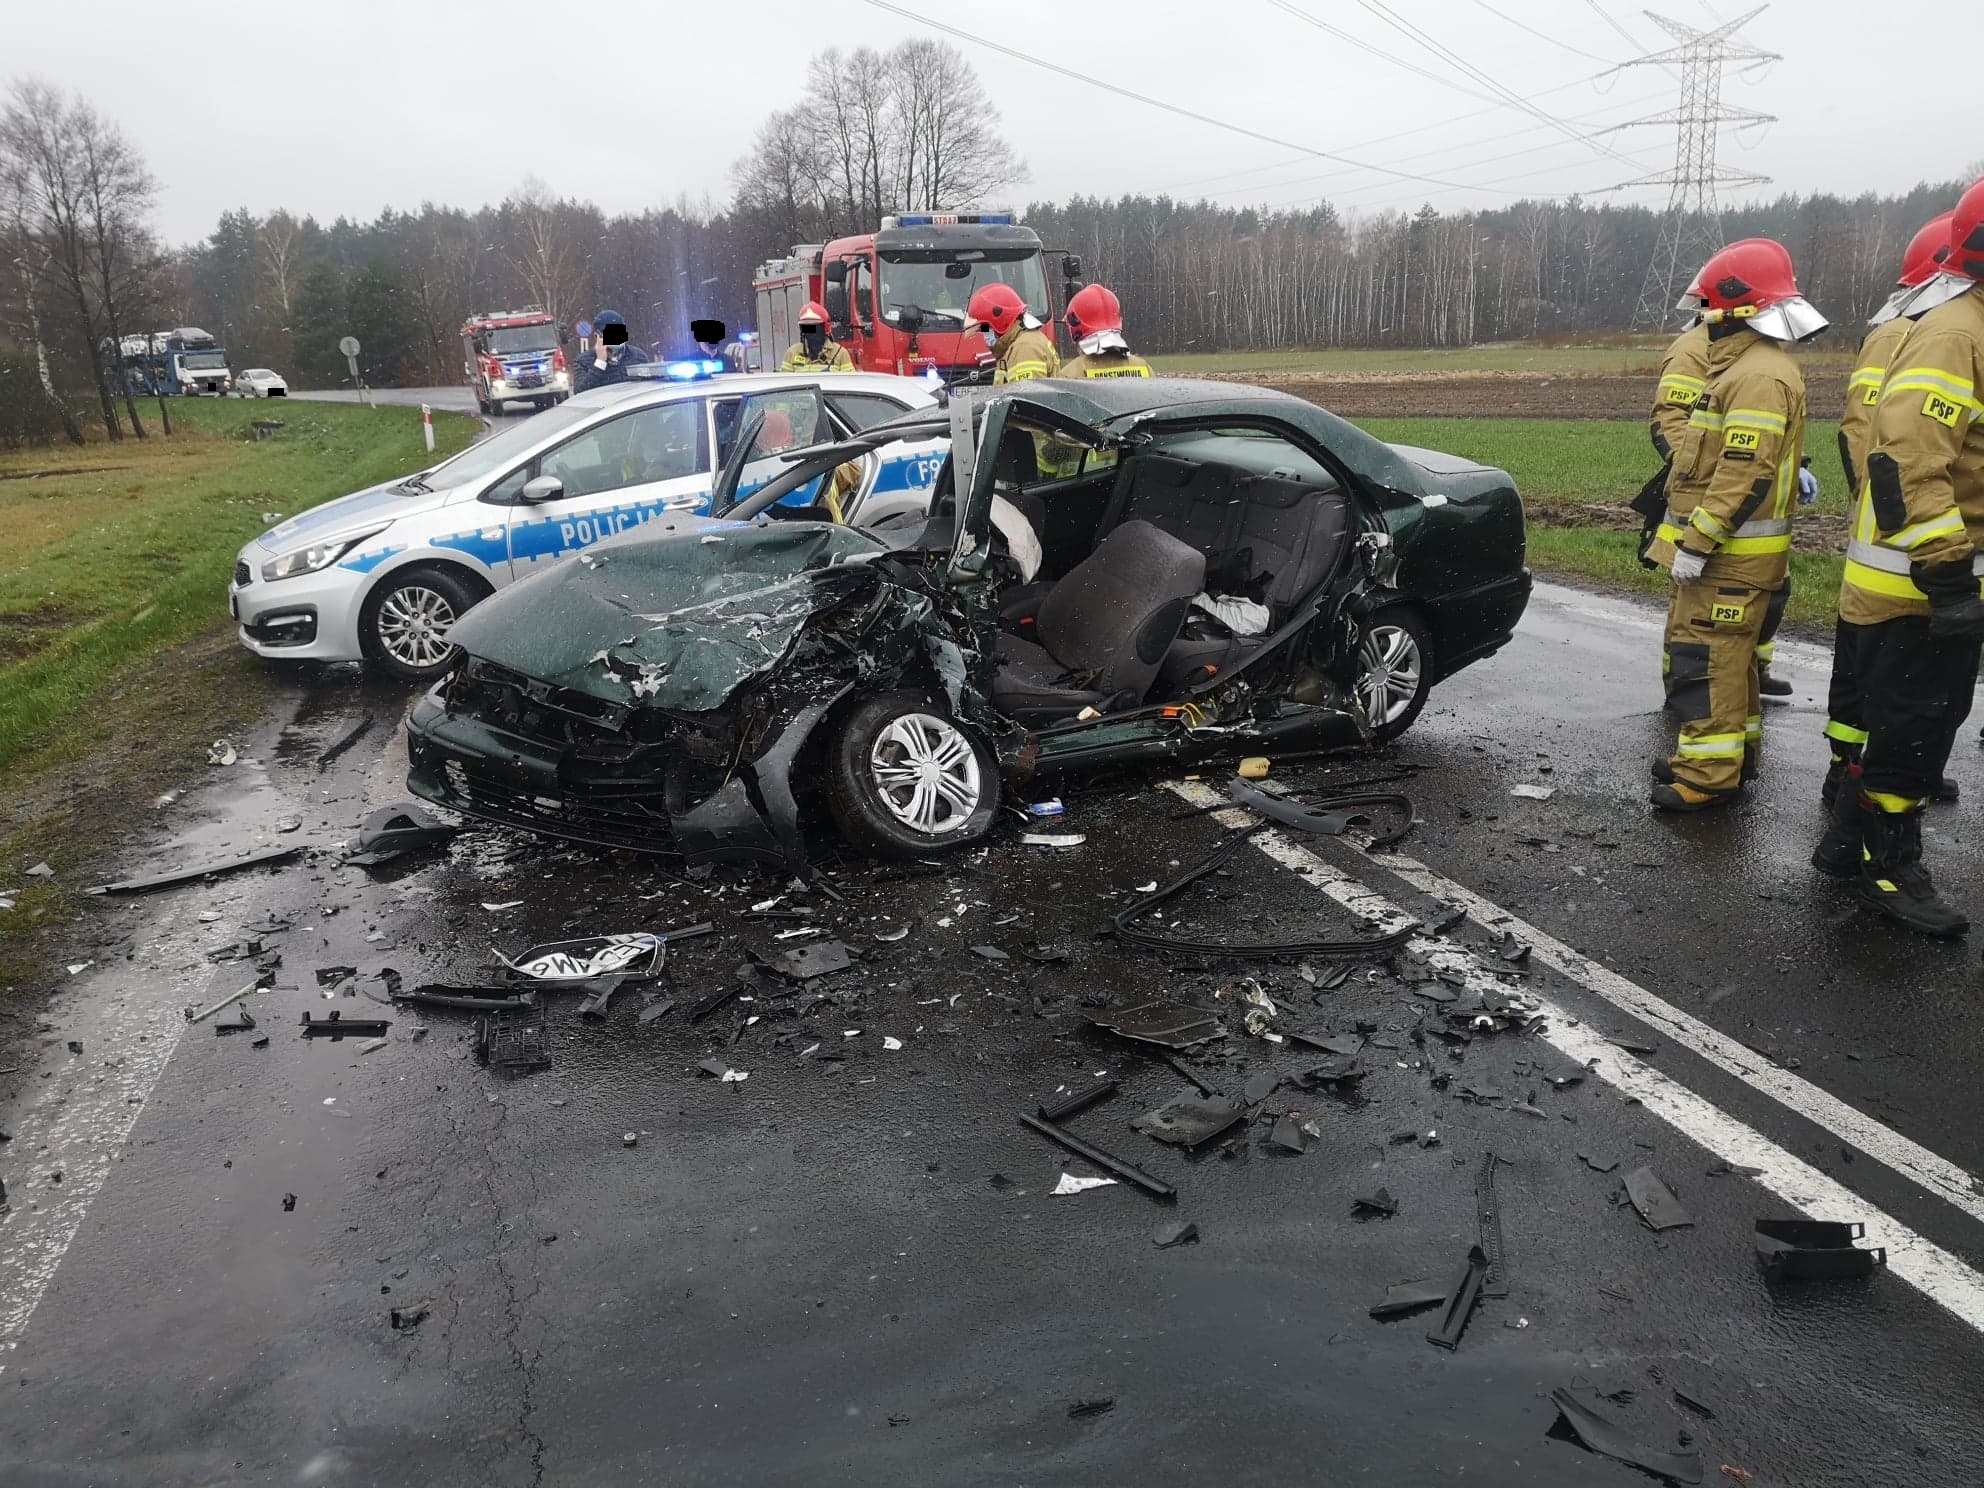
(1022, 354)
(1863, 395)
(1683, 380)
(833, 357)
(1106, 364)
(1927, 457)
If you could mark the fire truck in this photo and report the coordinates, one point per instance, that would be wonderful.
(513, 356)
(897, 296)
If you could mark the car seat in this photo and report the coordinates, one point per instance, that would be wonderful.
(1099, 636)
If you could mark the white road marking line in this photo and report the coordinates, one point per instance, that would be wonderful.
(1940, 1276)
(1929, 1171)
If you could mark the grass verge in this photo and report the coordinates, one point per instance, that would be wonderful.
(1576, 475)
(116, 651)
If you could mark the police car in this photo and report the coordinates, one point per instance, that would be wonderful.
(381, 574)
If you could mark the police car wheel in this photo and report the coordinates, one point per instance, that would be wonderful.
(403, 625)
(1394, 670)
(905, 779)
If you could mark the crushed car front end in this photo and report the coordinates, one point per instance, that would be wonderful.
(656, 696)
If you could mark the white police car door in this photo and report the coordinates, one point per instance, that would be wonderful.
(612, 476)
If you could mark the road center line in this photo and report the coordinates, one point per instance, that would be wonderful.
(1944, 1278)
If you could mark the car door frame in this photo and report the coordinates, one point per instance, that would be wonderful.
(621, 513)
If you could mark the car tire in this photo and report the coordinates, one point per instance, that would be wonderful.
(873, 752)
(1395, 659)
(397, 624)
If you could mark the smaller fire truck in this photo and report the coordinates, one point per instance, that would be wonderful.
(513, 356)
(897, 296)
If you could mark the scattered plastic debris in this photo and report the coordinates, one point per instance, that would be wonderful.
(187, 875)
(1190, 1120)
(1082, 1409)
(1461, 1301)
(1609, 1440)
(519, 1040)
(1066, 1101)
(1253, 767)
(1070, 1184)
(208, 1012)
(1178, 1233)
(630, 1139)
(221, 752)
(288, 1203)
(990, 953)
(334, 1025)
(1128, 1172)
(41, 870)
(1162, 1023)
(1046, 808)
(817, 959)
(1533, 792)
(1657, 1206)
(1053, 839)
(1407, 1298)
(406, 1319)
(890, 1042)
(392, 831)
(1380, 1205)
(1815, 1250)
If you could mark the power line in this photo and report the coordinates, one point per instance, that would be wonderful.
(1350, 38)
(1605, 16)
(1556, 41)
(1439, 49)
(1089, 81)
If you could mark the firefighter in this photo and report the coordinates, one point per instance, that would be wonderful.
(1726, 538)
(1911, 591)
(813, 352)
(612, 354)
(1838, 853)
(1020, 350)
(1095, 322)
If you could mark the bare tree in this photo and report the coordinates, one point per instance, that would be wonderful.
(543, 254)
(277, 239)
(951, 151)
(116, 194)
(38, 139)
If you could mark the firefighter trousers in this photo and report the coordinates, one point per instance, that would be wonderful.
(1712, 632)
(1916, 692)
(1766, 642)
(1846, 714)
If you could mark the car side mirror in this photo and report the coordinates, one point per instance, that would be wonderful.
(835, 270)
(541, 488)
(1071, 266)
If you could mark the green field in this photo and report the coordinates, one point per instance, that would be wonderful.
(116, 556)
(1513, 356)
(1563, 465)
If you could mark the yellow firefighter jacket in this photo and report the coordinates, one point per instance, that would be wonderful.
(833, 357)
(1928, 459)
(1021, 354)
(1735, 476)
(1106, 364)
(1863, 396)
(1683, 376)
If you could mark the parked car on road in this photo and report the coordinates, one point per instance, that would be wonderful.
(1109, 571)
(384, 573)
(260, 382)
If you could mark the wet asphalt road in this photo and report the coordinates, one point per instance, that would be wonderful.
(843, 1270)
(454, 399)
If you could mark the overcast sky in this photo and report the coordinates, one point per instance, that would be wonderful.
(334, 107)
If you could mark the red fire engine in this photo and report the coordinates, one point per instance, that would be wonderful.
(897, 295)
(513, 356)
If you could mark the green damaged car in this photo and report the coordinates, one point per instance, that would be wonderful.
(1108, 571)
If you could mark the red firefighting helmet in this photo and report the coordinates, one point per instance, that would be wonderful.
(1967, 234)
(815, 314)
(1926, 251)
(1093, 309)
(1747, 276)
(997, 306)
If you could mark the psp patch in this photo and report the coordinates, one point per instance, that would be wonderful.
(1726, 614)
(1741, 439)
(1943, 410)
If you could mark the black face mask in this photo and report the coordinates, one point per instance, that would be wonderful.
(812, 338)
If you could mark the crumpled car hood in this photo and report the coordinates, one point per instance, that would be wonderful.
(677, 614)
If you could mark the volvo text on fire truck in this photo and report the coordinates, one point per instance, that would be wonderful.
(898, 295)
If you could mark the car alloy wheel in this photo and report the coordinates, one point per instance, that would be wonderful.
(413, 626)
(1392, 670)
(926, 774)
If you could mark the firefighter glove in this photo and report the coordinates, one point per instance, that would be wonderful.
(1688, 566)
(1955, 611)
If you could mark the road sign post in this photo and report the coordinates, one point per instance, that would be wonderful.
(427, 426)
(349, 346)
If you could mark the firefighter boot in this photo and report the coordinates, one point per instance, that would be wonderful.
(1838, 853)
(1769, 686)
(1663, 769)
(1892, 879)
(1678, 795)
